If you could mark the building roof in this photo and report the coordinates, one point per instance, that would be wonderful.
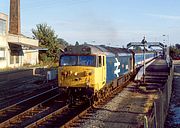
(3, 16)
(24, 46)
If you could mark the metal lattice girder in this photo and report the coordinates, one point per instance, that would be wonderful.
(149, 44)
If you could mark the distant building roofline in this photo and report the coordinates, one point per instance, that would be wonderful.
(28, 47)
(3, 13)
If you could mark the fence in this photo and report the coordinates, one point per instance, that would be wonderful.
(157, 115)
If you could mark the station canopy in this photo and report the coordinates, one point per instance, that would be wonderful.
(18, 46)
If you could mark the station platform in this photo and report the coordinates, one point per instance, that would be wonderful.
(140, 73)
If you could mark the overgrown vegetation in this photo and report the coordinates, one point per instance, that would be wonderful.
(48, 39)
(175, 51)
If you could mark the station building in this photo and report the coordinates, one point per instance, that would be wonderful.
(16, 49)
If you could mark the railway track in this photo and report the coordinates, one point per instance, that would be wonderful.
(22, 95)
(11, 112)
(74, 122)
(16, 83)
(58, 114)
(65, 116)
(17, 86)
(33, 113)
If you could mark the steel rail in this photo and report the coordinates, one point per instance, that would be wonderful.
(30, 98)
(97, 104)
(18, 106)
(55, 115)
(22, 96)
(16, 119)
(66, 109)
(46, 118)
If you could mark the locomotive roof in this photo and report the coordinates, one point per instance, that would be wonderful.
(83, 49)
(95, 49)
(114, 50)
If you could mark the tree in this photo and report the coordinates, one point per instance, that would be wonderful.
(48, 39)
(174, 51)
(177, 46)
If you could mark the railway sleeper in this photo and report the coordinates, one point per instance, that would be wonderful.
(52, 120)
(14, 123)
(12, 109)
(25, 118)
(34, 112)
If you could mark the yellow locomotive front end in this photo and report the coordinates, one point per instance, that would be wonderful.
(77, 71)
(82, 71)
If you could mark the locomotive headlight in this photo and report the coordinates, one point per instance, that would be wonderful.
(70, 72)
(84, 49)
(75, 73)
(88, 82)
(65, 74)
(70, 49)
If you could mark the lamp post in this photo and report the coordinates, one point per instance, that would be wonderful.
(166, 40)
(167, 50)
(144, 42)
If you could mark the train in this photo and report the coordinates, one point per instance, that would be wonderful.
(85, 70)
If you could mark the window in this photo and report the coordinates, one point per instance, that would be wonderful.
(2, 53)
(103, 61)
(87, 60)
(2, 27)
(11, 59)
(99, 61)
(70, 60)
(17, 59)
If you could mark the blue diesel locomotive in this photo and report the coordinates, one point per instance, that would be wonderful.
(85, 70)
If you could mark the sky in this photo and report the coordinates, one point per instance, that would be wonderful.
(108, 22)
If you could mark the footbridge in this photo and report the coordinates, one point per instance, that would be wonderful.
(148, 44)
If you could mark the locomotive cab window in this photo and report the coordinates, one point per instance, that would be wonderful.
(67, 60)
(103, 61)
(86, 60)
(99, 61)
(75, 60)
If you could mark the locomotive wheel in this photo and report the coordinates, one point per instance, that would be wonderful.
(95, 97)
(71, 101)
(91, 101)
